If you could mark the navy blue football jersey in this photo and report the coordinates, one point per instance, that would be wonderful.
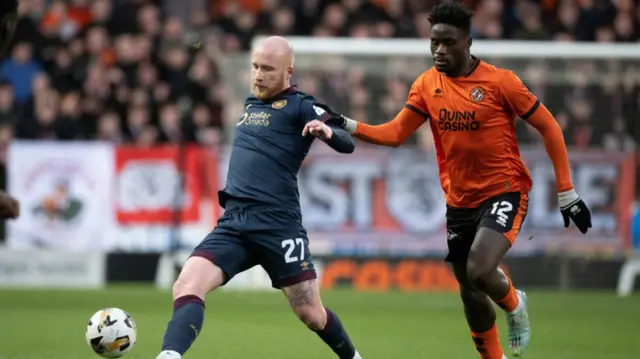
(268, 149)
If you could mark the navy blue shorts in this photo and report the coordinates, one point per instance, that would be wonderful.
(272, 238)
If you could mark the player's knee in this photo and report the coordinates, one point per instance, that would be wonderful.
(314, 317)
(182, 288)
(471, 297)
(198, 277)
(479, 272)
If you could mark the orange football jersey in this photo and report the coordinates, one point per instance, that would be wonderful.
(472, 118)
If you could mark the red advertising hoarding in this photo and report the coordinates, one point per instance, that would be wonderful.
(163, 185)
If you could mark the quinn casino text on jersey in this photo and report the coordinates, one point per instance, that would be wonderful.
(457, 121)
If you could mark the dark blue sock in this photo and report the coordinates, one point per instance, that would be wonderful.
(185, 325)
(336, 337)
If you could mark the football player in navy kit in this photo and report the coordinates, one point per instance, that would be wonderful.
(262, 223)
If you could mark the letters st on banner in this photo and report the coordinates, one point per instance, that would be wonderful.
(391, 201)
(164, 185)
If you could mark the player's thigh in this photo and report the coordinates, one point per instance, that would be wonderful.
(461, 231)
(198, 277)
(505, 214)
(284, 254)
(223, 252)
(500, 221)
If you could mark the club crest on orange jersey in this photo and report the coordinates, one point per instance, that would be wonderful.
(477, 94)
(279, 104)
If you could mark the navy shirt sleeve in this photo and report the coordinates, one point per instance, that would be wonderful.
(311, 112)
(341, 140)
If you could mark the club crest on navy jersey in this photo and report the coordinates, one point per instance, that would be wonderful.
(279, 104)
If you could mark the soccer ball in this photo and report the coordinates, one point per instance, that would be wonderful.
(111, 333)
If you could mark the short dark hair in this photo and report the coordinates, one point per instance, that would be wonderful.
(452, 13)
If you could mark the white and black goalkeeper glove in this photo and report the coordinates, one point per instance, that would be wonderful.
(339, 119)
(574, 209)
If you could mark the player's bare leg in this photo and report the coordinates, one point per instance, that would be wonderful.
(198, 277)
(488, 249)
(481, 316)
(306, 303)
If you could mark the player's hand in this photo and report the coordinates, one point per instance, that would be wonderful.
(573, 208)
(8, 22)
(318, 129)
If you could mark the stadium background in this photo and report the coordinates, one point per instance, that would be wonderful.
(115, 121)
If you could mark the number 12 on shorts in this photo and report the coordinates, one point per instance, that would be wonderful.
(500, 209)
(290, 245)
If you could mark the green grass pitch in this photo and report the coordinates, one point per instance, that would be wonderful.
(50, 325)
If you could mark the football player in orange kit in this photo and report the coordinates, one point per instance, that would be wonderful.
(472, 107)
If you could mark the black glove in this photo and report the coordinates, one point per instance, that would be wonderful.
(8, 22)
(574, 208)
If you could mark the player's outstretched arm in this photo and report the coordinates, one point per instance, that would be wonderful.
(529, 108)
(392, 134)
(398, 130)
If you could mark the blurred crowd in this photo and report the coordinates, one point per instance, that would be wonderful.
(145, 72)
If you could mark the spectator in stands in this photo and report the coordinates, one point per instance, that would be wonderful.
(124, 70)
(109, 128)
(20, 69)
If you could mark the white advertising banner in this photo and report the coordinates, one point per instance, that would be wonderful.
(170, 264)
(51, 269)
(100, 197)
(66, 195)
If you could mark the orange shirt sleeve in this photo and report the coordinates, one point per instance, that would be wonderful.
(529, 108)
(394, 133)
(406, 122)
(517, 96)
(415, 100)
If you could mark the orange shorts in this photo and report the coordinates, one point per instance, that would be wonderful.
(504, 213)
